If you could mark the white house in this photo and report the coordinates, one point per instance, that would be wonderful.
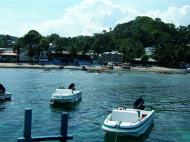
(149, 50)
(7, 55)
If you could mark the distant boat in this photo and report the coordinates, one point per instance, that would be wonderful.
(110, 65)
(128, 122)
(5, 96)
(126, 66)
(188, 70)
(84, 68)
(61, 67)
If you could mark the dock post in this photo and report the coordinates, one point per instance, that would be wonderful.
(63, 137)
(64, 125)
(27, 124)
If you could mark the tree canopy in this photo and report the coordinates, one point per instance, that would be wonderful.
(171, 42)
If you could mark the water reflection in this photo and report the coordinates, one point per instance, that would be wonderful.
(3, 104)
(2, 107)
(168, 95)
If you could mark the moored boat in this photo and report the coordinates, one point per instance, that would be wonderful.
(110, 65)
(128, 122)
(5, 96)
(62, 95)
(188, 70)
(126, 66)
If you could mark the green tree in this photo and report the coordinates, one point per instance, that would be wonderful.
(73, 52)
(32, 40)
(44, 44)
(17, 48)
(2, 43)
(144, 58)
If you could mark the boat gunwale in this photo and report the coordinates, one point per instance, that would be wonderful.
(132, 132)
(143, 121)
(73, 94)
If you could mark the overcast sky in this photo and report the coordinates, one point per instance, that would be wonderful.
(84, 17)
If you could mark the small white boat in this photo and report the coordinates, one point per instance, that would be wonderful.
(110, 65)
(62, 96)
(5, 96)
(188, 70)
(128, 122)
(125, 66)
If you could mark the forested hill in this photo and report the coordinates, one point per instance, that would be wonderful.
(172, 43)
(147, 31)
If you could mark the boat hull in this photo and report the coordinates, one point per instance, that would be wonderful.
(5, 96)
(135, 131)
(188, 70)
(65, 100)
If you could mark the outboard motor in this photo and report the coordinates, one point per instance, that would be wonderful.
(139, 104)
(2, 89)
(72, 86)
(84, 68)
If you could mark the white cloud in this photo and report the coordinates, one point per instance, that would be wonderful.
(178, 16)
(85, 18)
(91, 16)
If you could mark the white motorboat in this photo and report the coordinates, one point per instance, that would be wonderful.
(62, 96)
(128, 122)
(5, 96)
(110, 65)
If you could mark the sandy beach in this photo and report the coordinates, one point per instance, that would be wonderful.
(159, 70)
(93, 68)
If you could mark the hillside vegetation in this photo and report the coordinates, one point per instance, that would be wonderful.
(172, 43)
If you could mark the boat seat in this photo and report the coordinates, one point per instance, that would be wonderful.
(124, 116)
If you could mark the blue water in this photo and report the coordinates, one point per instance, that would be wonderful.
(168, 95)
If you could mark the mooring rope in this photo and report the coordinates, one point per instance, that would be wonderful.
(116, 137)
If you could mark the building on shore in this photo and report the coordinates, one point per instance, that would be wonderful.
(43, 59)
(150, 50)
(149, 62)
(25, 58)
(63, 58)
(95, 58)
(7, 55)
(115, 57)
(66, 58)
(83, 59)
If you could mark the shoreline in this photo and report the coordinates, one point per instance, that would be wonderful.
(163, 70)
(98, 69)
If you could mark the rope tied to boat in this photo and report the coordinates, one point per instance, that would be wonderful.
(117, 125)
(116, 137)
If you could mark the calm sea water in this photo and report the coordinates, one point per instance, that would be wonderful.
(168, 95)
